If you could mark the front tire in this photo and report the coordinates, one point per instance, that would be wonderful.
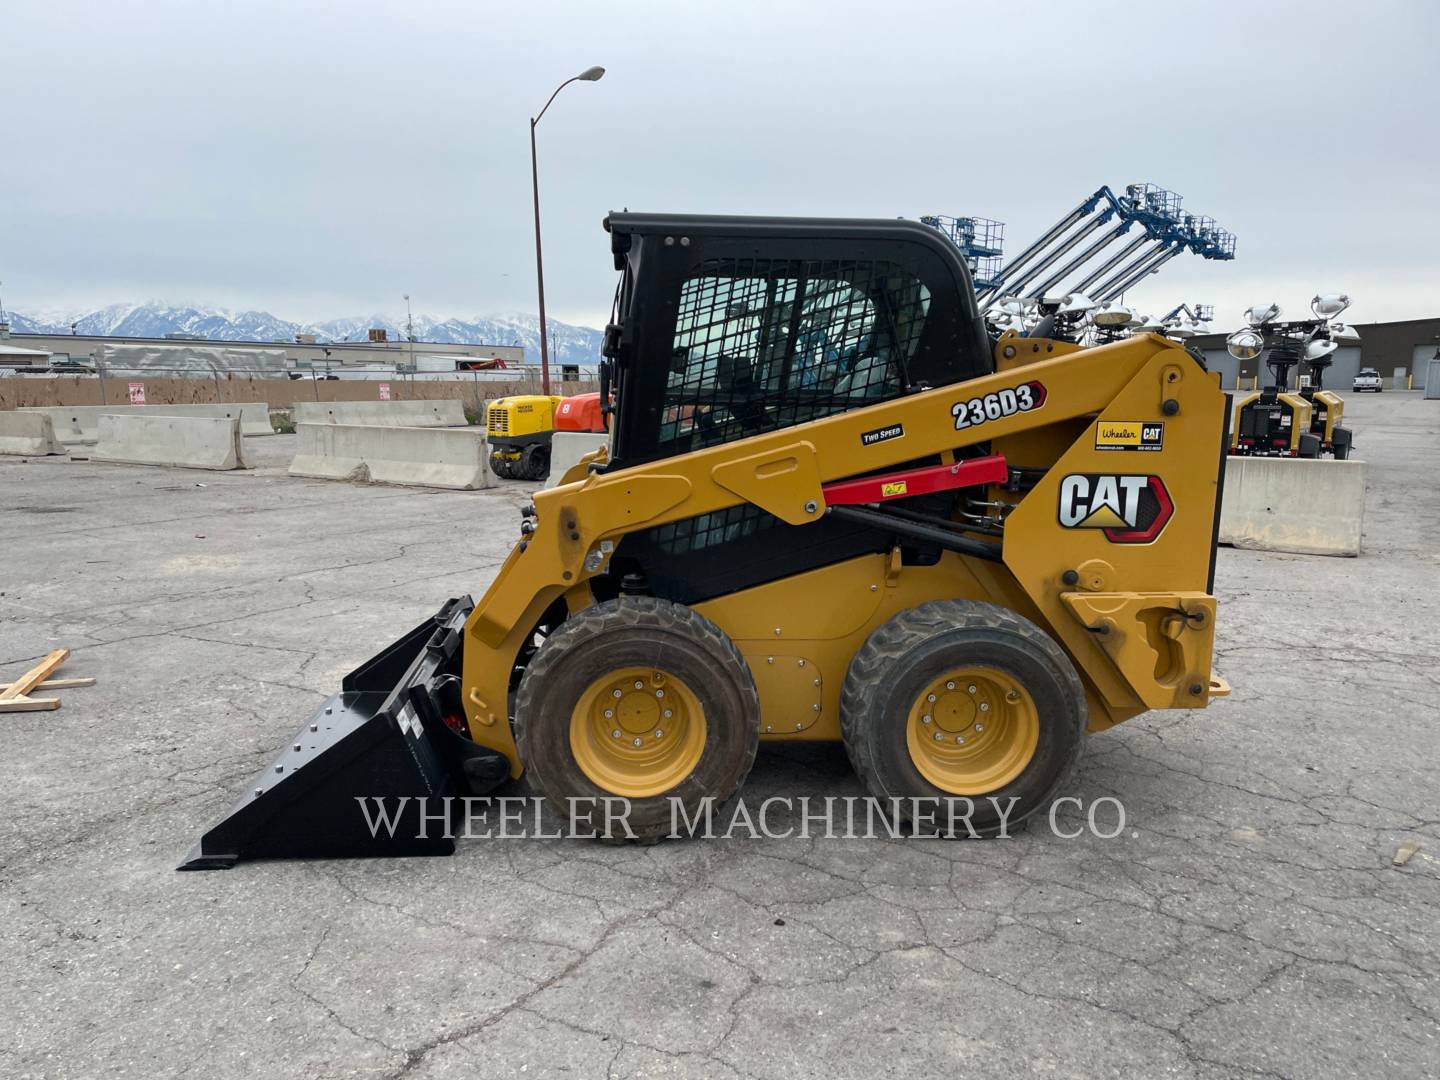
(638, 699)
(967, 706)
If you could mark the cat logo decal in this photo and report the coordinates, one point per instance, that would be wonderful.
(1128, 509)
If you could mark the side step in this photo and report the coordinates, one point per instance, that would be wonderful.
(383, 737)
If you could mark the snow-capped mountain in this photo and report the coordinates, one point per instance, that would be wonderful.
(568, 344)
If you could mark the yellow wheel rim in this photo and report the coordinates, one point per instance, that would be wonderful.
(637, 731)
(973, 730)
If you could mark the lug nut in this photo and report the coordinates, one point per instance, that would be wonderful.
(971, 688)
(930, 697)
(639, 685)
(960, 739)
(638, 741)
(938, 736)
(609, 713)
(619, 693)
(667, 714)
(659, 693)
(615, 734)
(925, 719)
(978, 728)
(659, 734)
(949, 686)
(984, 706)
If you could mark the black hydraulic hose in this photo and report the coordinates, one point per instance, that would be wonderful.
(878, 519)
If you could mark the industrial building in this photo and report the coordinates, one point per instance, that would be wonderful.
(1400, 351)
(67, 348)
(13, 356)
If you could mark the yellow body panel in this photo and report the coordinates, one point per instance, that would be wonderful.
(822, 616)
(522, 414)
(1299, 426)
(581, 468)
(1334, 412)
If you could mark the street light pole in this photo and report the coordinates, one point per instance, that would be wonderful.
(588, 75)
(539, 259)
(410, 334)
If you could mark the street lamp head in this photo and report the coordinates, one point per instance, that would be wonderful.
(591, 74)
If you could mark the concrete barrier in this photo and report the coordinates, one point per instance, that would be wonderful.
(79, 425)
(1313, 506)
(442, 412)
(32, 434)
(413, 456)
(566, 450)
(186, 442)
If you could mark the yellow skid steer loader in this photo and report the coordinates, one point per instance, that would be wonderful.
(832, 508)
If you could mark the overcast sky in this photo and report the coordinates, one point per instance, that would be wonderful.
(318, 159)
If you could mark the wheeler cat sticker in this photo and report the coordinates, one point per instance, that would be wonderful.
(993, 406)
(1129, 435)
(1128, 509)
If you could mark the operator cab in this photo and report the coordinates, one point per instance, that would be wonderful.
(727, 327)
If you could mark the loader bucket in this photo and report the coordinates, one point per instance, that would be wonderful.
(383, 737)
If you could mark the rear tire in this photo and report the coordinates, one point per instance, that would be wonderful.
(707, 739)
(535, 462)
(1340, 444)
(907, 744)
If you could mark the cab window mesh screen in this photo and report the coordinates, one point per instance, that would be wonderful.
(762, 344)
(708, 530)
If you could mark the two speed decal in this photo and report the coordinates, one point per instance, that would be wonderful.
(882, 434)
(1001, 403)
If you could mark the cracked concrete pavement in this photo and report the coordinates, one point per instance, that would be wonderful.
(1248, 922)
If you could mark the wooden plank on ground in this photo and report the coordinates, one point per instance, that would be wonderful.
(55, 684)
(29, 704)
(34, 676)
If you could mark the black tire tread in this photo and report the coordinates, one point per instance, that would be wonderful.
(893, 640)
(634, 612)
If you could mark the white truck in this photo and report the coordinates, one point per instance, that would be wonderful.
(1367, 379)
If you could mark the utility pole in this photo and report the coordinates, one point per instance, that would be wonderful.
(592, 74)
(410, 335)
